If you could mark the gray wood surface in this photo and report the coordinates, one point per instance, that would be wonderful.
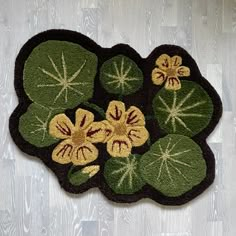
(31, 201)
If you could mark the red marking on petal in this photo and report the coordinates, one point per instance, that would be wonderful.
(82, 151)
(161, 75)
(132, 119)
(119, 142)
(117, 115)
(83, 121)
(108, 132)
(64, 149)
(132, 133)
(91, 132)
(175, 63)
(181, 71)
(172, 80)
(165, 63)
(64, 130)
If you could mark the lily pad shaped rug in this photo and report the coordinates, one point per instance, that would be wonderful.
(106, 117)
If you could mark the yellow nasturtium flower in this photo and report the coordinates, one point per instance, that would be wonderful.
(124, 129)
(168, 70)
(77, 145)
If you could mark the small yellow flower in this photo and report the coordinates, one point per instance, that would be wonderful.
(169, 70)
(124, 129)
(77, 145)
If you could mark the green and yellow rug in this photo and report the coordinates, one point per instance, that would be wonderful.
(105, 117)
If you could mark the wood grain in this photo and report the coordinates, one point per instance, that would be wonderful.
(31, 200)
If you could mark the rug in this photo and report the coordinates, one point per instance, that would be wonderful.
(107, 118)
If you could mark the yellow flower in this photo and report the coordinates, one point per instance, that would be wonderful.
(77, 145)
(124, 129)
(169, 69)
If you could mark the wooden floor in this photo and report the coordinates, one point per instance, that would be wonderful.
(31, 201)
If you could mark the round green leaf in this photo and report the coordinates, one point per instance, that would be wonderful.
(121, 75)
(174, 165)
(33, 125)
(186, 111)
(60, 74)
(122, 174)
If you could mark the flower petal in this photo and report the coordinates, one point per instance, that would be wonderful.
(183, 71)
(164, 62)
(176, 61)
(172, 83)
(95, 132)
(60, 127)
(83, 118)
(62, 153)
(84, 154)
(137, 135)
(134, 117)
(119, 146)
(115, 112)
(158, 76)
(108, 130)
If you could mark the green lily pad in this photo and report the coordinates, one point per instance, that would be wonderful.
(174, 165)
(60, 74)
(186, 111)
(83, 175)
(121, 75)
(33, 125)
(122, 174)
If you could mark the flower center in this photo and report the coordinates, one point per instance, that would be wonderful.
(171, 72)
(120, 129)
(78, 137)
